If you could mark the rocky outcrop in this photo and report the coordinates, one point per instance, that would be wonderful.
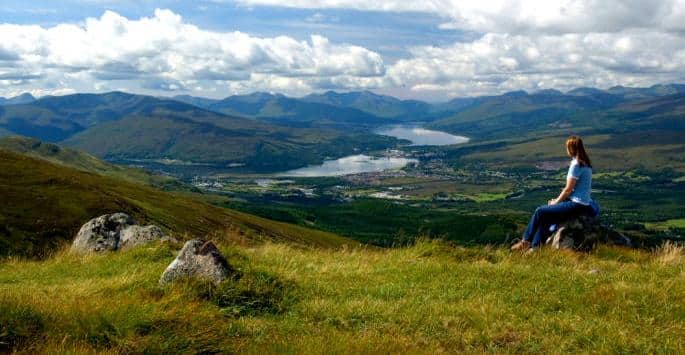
(198, 259)
(113, 232)
(584, 233)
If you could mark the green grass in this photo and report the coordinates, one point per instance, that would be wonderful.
(609, 152)
(385, 223)
(671, 223)
(486, 197)
(44, 205)
(426, 298)
(81, 161)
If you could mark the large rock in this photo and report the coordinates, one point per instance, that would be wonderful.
(584, 233)
(113, 232)
(198, 259)
(135, 235)
(101, 233)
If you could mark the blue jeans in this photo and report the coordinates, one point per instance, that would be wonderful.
(547, 215)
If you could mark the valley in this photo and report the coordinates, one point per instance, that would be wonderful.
(342, 177)
(385, 171)
(339, 228)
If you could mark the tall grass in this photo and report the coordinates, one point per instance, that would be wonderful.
(425, 298)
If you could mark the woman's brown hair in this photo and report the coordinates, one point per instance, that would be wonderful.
(575, 148)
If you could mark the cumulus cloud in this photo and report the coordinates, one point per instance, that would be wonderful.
(534, 44)
(515, 16)
(502, 62)
(512, 45)
(165, 53)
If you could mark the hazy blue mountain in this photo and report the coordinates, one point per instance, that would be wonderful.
(518, 112)
(55, 118)
(277, 108)
(20, 99)
(195, 100)
(618, 109)
(633, 93)
(378, 105)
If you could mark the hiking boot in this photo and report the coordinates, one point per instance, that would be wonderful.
(531, 251)
(521, 246)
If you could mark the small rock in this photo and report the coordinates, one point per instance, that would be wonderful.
(101, 234)
(594, 272)
(137, 235)
(198, 259)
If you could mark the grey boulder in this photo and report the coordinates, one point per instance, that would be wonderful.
(112, 232)
(198, 259)
(584, 233)
(101, 234)
(135, 235)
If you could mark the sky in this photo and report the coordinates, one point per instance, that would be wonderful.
(431, 50)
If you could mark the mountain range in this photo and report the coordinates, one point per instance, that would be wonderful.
(24, 98)
(272, 132)
(121, 126)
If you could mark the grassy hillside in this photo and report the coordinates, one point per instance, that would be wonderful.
(44, 204)
(428, 298)
(654, 150)
(80, 161)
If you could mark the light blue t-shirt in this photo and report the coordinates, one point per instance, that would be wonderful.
(583, 176)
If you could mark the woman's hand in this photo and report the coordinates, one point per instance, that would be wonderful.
(566, 192)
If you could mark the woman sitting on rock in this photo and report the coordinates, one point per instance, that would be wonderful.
(574, 199)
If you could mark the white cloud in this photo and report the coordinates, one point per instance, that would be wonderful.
(502, 62)
(518, 16)
(534, 44)
(521, 45)
(164, 53)
(316, 17)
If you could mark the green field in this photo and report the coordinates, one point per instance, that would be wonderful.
(671, 223)
(427, 298)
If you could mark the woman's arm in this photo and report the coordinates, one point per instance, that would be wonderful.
(570, 185)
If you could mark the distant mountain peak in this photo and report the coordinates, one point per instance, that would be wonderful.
(585, 91)
(549, 92)
(517, 93)
(24, 98)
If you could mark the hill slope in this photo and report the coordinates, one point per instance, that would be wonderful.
(44, 204)
(80, 161)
